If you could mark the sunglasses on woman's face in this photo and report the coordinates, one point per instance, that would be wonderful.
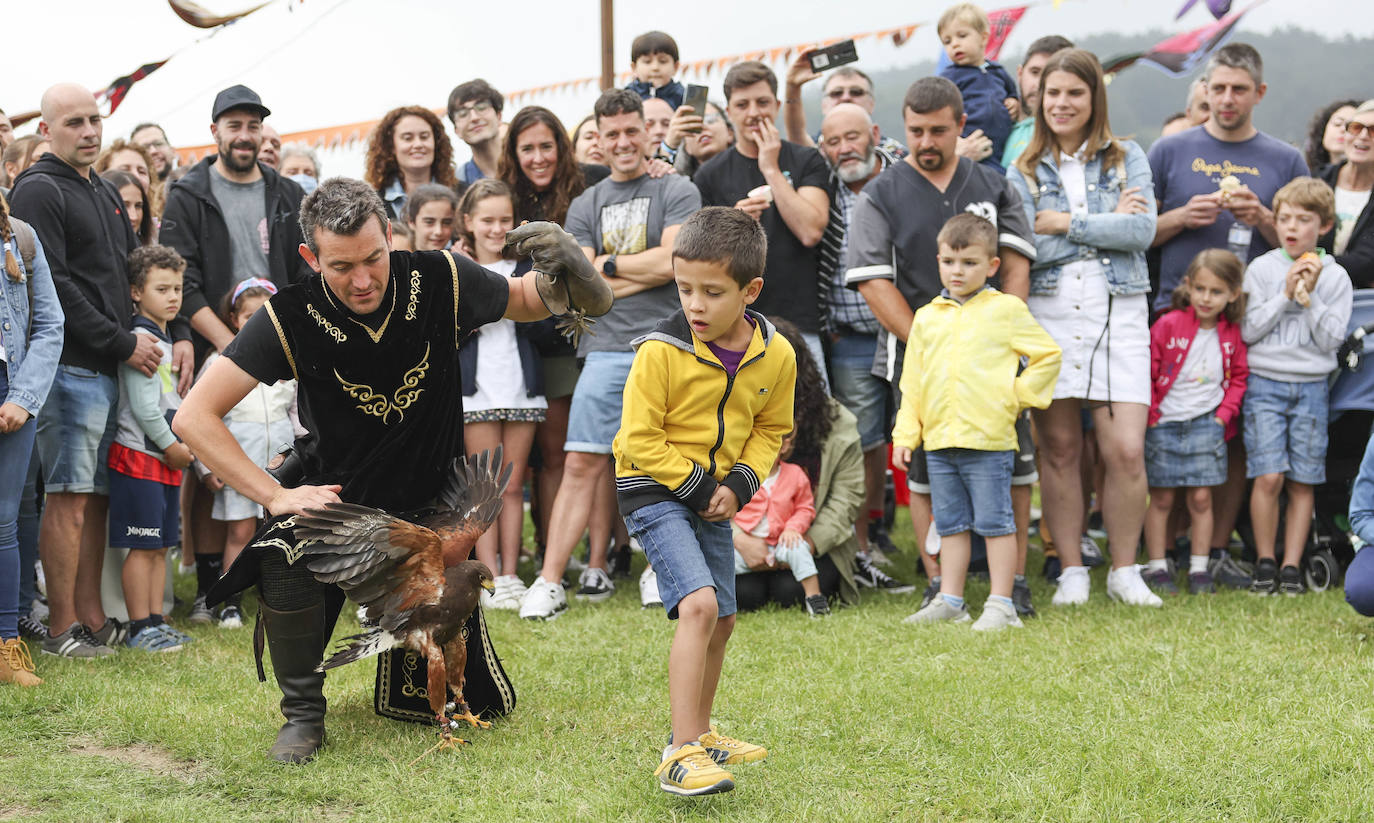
(1354, 127)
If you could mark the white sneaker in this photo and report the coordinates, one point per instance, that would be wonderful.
(1125, 584)
(509, 592)
(937, 610)
(596, 585)
(997, 616)
(648, 588)
(1074, 584)
(543, 600)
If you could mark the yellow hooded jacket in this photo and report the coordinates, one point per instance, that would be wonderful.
(959, 383)
(687, 426)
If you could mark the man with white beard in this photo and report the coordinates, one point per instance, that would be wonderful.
(852, 146)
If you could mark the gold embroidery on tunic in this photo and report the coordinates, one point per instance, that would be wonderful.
(414, 303)
(329, 328)
(381, 330)
(453, 269)
(378, 405)
(281, 336)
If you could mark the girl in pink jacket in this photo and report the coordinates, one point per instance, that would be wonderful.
(1198, 375)
(781, 512)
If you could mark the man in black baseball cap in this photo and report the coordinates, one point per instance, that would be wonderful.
(238, 97)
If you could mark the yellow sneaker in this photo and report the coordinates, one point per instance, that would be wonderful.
(727, 751)
(690, 771)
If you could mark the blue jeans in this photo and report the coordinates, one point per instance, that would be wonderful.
(867, 396)
(1285, 429)
(971, 490)
(28, 536)
(687, 553)
(594, 417)
(15, 449)
(75, 430)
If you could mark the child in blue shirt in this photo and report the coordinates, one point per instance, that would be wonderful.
(990, 93)
(654, 60)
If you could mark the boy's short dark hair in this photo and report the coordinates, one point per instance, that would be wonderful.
(653, 42)
(478, 89)
(1310, 194)
(1049, 44)
(932, 94)
(725, 237)
(145, 258)
(968, 230)
(748, 73)
(617, 101)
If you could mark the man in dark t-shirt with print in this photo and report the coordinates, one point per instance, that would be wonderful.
(892, 262)
(786, 187)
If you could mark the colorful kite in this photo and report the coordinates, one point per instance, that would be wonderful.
(1181, 53)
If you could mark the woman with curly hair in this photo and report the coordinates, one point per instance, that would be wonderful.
(1325, 144)
(137, 161)
(408, 148)
(826, 446)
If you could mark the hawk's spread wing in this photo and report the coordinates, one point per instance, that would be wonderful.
(389, 565)
(471, 499)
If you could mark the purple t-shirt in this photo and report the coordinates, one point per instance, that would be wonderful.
(1194, 162)
(729, 358)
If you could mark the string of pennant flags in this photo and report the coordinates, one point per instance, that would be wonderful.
(1176, 55)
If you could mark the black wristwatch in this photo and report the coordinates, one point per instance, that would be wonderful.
(608, 268)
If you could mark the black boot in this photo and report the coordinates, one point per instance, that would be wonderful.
(297, 640)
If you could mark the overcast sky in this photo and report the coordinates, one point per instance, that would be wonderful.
(318, 63)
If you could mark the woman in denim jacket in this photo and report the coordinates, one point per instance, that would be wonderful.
(1090, 198)
(30, 351)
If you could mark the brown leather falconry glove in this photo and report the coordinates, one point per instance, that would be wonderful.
(569, 286)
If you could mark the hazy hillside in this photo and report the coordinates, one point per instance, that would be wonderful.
(1303, 70)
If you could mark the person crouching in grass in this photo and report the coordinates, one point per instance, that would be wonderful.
(146, 459)
(707, 404)
(961, 395)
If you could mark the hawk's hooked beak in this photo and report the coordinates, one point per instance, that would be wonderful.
(489, 584)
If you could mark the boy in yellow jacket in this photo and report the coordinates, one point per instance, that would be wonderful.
(961, 394)
(707, 403)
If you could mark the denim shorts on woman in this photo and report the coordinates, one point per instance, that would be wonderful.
(687, 553)
(1186, 453)
(1285, 429)
(75, 429)
(597, 402)
(971, 490)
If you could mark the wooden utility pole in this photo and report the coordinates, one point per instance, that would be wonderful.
(607, 44)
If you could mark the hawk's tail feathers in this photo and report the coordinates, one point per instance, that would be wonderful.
(359, 646)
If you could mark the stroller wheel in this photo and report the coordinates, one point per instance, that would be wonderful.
(1322, 570)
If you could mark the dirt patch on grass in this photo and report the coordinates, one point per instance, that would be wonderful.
(13, 812)
(142, 756)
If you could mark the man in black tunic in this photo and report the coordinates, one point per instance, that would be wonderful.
(373, 343)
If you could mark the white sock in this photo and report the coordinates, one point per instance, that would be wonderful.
(1073, 571)
(1197, 563)
(1160, 565)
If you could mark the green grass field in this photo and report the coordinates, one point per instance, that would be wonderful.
(1231, 707)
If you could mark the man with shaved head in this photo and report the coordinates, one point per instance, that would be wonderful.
(850, 142)
(86, 237)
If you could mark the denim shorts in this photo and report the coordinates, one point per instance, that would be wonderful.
(75, 429)
(855, 386)
(1023, 471)
(687, 553)
(144, 514)
(971, 490)
(1186, 453)
(594, 417)
(1285, 429)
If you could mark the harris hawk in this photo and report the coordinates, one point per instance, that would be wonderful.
(413, 579)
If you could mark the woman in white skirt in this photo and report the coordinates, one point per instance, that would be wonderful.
(1091, 200)
(503, 391)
